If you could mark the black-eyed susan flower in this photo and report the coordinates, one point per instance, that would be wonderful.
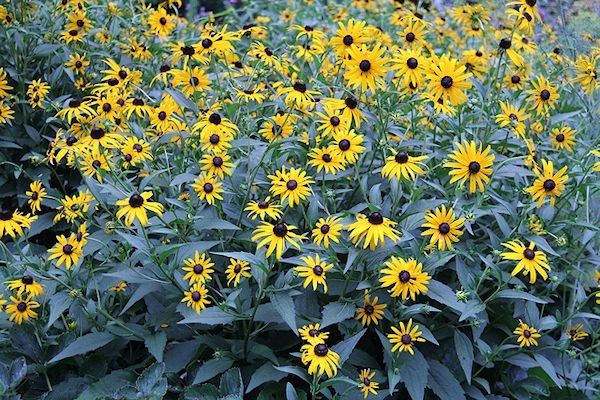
(526, 6)
(6, 113)
(120, 286)
(332, 120)
(372, 230)
(370, 312)
(413, 34)
(26, 285)
(512, 117)
(4, 86)
(76, 109)
(36, 194)
(404, 339)
(263, 209)
(406, 278)
(160, 23)
(321, 359)
(236, 270)
(313, 271)
(447, 80)
(190, 80)
(280, 126)
(576, 332)
(471, 163)
(532, 262)
(410, 66)
(135, 207)
(293, 185)
(366, 69)
(218, 164)
(349, 107)
(312, 334)
(353, 33)
(276, 236)
(66, 251)
(199, 268)
(586, 72)
(443, 226)
(528, 335)
(326, 230)
(94, 163)
(135, 151)
(298, 95)
(22, 309)
(216, 142)
(73, 207)
(366, 384)
(506, 46)
(327, 160)
(208, 188)
(544, 96)
(547, 183)
(402, 165)
(348, 145)
(563, 138)
(196, 297)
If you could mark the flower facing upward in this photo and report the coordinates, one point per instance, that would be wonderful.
(366, 384)
(66, 251)
(22, 309)
(236, 270)
(198, 268)
(563, 138)
(326, 230)
(530, 261)
(293, 185)
(406, 278)
(447, 80)
(471, 163)
(276, 236)
(370, 311)
(443, 227)
(366, 69)
(544, 96)
(321, 359)
(135, 206)
(527, 335)
(401, 164)
(196, 298)
(576, 333)
(263, 209)
(313, 271)
(27, 285)
(312, 334)
(373, 228)
(404, 338)
(547, 183)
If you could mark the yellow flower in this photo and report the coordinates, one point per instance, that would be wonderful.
(321, 359)
(198, 268)
(276, 236)
(366, 69)
(471, 163)
(22, 309)
(527, 335)
(544, 96)
(576, 333)
(135, 206)
(119, 287)
(447, 80)
(404, 338)
(547, 183)
(401, 164)
(36, 193)
(208, 188)
(367, 385)
(312, 334)
(196, 298)
(66, 251)
(26, 285)
(373, 228)
(370, 311)
(263, 209)
(313, 272)
(236, 270)
(13, 222)
(405, 276)
(443, 227)
(530, 261)
(563, 138)
(293, 185)
(326, 230)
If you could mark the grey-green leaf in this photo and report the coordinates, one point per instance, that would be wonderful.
(231, 383)
(212, 368)
(156, 344)
(337, 312)
(443, 383)
(284, 304)
(464, 351)
(84, 344)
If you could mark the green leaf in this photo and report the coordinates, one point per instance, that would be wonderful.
(548, 368)
(444, 295)
(290, 392)
(472, 308)
(17, 372)
(152, 382)
(204, 392)
(344, 349)
(156, 344)
(208, 316)
(413, 373)
(284, 304)
(517, 294)
(212, 368)
(231, 383)
(58, 303)
(299, 372)
(84, 344)
(443, 383)
(336, 312)
(464, 351)
(265, 373)
(263, 351)
(139, 294)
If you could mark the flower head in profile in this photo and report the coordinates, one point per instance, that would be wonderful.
(236, 270)
(135, 207)
(13, 222)
(196, 297)
(443, 226)
(528, 335)
(275, 237)
(313, 271)
(406, 278)
(26, 285)
(263, 209)
(403, 165)
(372, 230)
(512, 117)
(312, 334)
(471, 163)
(320, 359)
(548, 183)
(370, 312)
(366, 384)
(532, 262)
(404, 339)
(576, 333)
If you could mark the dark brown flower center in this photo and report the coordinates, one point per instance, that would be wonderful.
(406, 339)
(206, 43)
(214, 119)
(128, 157)
(300, 87)
(162, 115)
(22, 306)
(478, 53)
(196, 296)
(280, 230)
(348, 40)
(560, 138)
(318, 270)
(313, 333)
(549, 185)
(375, 218)
(214, 138)
(444, 228)
(27, 279)
(527, 333)
(529, 254)
(67, 249)
(136, 201)
(515, 79)
(344, 144)
(208, 187)
(321, 350)
(217, 161)
(404, 276)
(410, 37)
(263, 204)
(71, 140)
(34, 195)
(474, 167)
(194, 81)
(198, 269)
(351, 103)
(401, 158)
(122, 74)
(112, 82)
(412, 63)
(335, 121)
(97, 132)
(292, 184)
(545, 94)
(364, 65)
(531, 3)
(106, 107)
(237, 268)
(78, 64)
(366, 382)
(326, 157)
(447, 82)
(6, 215)
(324, 229)
(96, 164)
(369, 309)
(162, 20)
(186, 51)
(505, 44)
